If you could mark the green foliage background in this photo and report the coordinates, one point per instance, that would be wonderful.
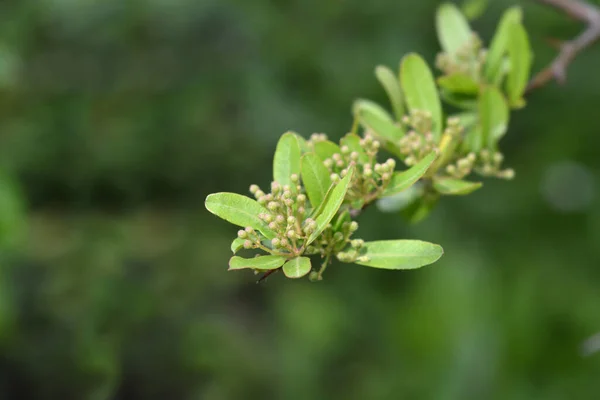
(117, 118)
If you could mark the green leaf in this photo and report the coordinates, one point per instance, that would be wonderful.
(391, 85)
(473, 139)
(326, 149)
(400, 254)
(499, 45)
(420, 90)
(331, 204)
(459, 83)
(237, 245)
(401, 200)
(260, 262)
(457, 187)
(238, 210)
(315, 177)
(287, 159)
(352, 140)
(405, 179)
(297, 267)
(372, 107)
(374, 118)
(460, 100)
(493, 114)
(467, 119)
(474, 9)
(452, 28)
(520, 57)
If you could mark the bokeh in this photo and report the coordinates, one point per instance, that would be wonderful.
(118, 117)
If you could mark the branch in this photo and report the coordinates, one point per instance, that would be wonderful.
(568, 50)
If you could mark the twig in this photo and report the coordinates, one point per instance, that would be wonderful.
(568, 50)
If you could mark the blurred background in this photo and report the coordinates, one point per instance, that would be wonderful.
(118, 117)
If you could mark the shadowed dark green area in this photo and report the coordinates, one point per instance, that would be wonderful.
(118, 118)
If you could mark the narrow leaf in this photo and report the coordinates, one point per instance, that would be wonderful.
(460, 100)
(375, 118)
(352, 140)
(420, 90)
(372, 107)
(400, 254)
(315, 177)
(331, 204)
(287, 159)
(237, 245)
(520, 57)
(238, 210)
(499, 45)
(467, 119)
(493, 114)
(261, 262)
(473, 9)
(405, 179)
(452, 28)
(459, 83)
(401, 200)
(391, 85)
(297, 267)
(456, 187)
(326, 149)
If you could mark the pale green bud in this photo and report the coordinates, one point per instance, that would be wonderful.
(242, 234)
(247, 244)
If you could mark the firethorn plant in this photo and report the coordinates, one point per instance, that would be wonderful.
(319, 187)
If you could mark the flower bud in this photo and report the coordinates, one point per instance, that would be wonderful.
(338, 236)
(273, 205)
(314, 276)
(301, 198)
(301, 210)
(289, 202)
(340, 164)
(363, 259)
(334, 178)
(284, 242)
(242, 234)
(247, 244)
(273, 225)
(280, 219)
(254, 189)
(354, 156)
(357, 243)
(275, 242)
(336, 157)
(291, 234)
(386, 176)
(345, 149)
(249, 229)
(353, 226)
(328, 163)
(294, 178)
(291, 220)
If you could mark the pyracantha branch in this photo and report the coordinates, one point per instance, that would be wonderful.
(568, 50)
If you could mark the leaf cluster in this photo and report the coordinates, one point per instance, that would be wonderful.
(319, 187)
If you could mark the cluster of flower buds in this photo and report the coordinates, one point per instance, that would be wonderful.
(369, 176)
(468, 59)
(286, 216)
(491, 163)
(353, 254)
(462, 167)
(419, 141)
